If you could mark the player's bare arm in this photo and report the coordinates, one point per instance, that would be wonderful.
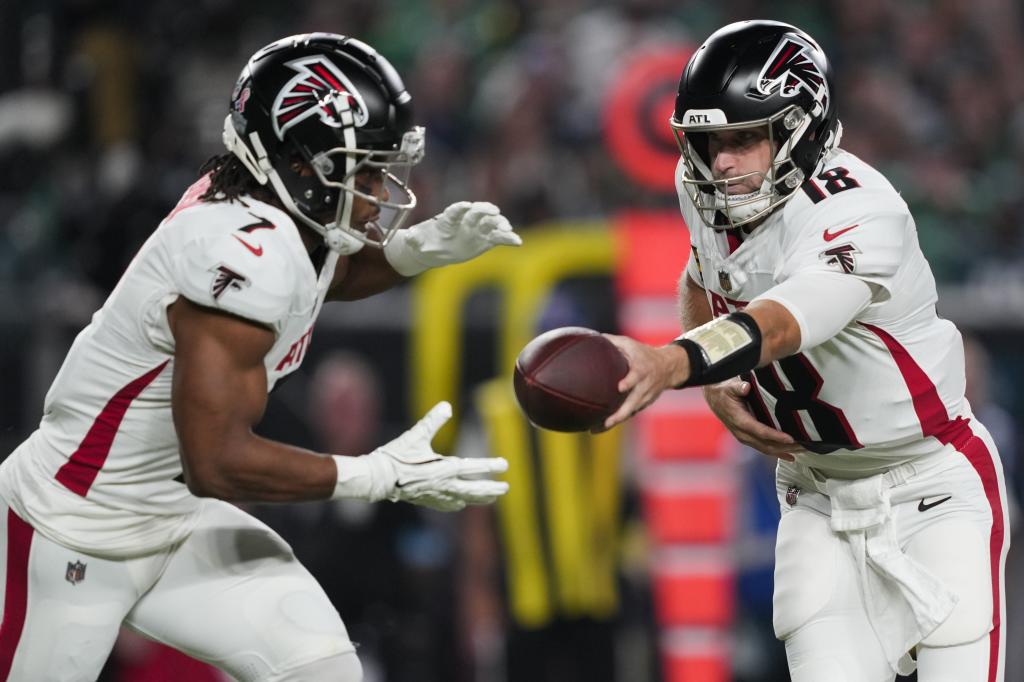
(694, 309)
(362, 275)
(218, 396)
(727, 399)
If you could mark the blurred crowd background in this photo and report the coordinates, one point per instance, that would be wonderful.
(109, 107)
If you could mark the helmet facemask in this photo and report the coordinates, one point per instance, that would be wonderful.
(337, 172)
(324, 201)
(715, 206)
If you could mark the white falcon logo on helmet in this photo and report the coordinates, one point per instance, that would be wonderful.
(319, 88)
(790, 70)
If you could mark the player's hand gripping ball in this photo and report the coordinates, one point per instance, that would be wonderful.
(567, 379)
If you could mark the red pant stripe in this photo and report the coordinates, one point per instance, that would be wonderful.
(19, 543)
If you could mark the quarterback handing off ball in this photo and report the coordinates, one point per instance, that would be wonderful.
(567, 379)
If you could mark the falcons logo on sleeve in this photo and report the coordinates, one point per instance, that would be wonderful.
(841, 256)
(318, 89)
(789, 70)
(225, 278)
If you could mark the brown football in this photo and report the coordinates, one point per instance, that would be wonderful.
(567, 379)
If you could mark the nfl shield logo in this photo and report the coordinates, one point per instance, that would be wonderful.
(792, 493)
(75, 573)
(724, 281)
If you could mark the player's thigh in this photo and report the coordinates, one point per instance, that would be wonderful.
(61, 609)
(818, 611)
(962, 541)
(806, 566)
(956, 550)
(234, 595)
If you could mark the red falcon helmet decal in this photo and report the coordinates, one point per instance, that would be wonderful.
(841, 256)
(790, 70)
(319, 88)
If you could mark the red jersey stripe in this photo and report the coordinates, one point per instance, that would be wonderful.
(735, 241)
(81, 469)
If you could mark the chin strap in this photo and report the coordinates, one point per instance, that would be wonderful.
(341, 242)
(323, 283)
(756, 202)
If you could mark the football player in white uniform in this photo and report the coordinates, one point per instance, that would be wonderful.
(811, 325)
(116, 510)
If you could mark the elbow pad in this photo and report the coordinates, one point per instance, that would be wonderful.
(721, 349)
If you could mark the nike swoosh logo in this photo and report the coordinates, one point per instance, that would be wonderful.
(921, 506)
(256, 250)
(829, 236)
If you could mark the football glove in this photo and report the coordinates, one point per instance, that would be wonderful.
(461, 232)
(408, 469)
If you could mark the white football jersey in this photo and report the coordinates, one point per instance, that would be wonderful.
(888, 387)
(103, 472)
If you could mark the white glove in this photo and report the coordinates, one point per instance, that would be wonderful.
(408, 469)
(459, 233)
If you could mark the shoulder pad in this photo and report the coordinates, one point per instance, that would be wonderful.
(251, 274)
(846, 181)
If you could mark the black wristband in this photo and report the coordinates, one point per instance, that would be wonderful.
(742, 357)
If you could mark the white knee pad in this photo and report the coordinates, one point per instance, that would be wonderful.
(806, 557)
(957, 553)
(341, 668)
(818, 610)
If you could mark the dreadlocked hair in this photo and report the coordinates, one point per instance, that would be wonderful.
(229, 180)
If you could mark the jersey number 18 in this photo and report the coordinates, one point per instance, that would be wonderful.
(833, 429)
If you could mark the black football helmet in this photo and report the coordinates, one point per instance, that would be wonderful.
(334, 103)
(755, 74)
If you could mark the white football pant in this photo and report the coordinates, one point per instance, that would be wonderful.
(232, 594)
(819, 611)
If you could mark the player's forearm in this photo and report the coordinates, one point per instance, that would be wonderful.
(368, 273)
(257, 469)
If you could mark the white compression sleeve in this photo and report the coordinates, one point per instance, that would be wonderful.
(821, 302)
